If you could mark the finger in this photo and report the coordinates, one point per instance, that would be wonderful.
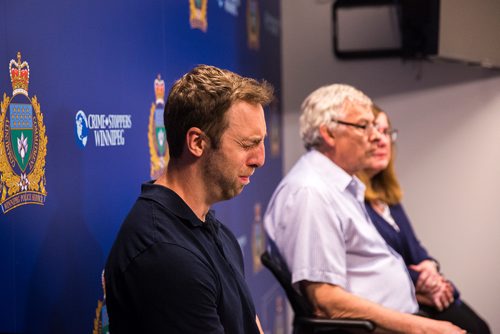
(444, 301)
(449, 294)
(438, 303)
(447, 286)
(416, 267)
(424, 287)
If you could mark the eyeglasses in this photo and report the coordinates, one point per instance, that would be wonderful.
(368, 128)
(392, 134)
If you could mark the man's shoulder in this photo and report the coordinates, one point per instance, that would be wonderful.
(305, 180)
(145, 218)
(170, 254)
(147, 224)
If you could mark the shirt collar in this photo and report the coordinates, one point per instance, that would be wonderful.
(172, 202)
(336, 176)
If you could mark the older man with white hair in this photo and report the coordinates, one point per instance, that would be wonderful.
(317, 219)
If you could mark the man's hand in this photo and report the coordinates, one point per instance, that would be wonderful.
(429, 326)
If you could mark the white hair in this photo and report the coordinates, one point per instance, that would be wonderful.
(323, 105)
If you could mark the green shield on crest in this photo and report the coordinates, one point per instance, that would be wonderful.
(160, 132)
(21, 132)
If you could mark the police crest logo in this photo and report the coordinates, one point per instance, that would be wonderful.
(275, 125)
(258, 238)
(253, 25)
(157, 136)
(198, 14)
(101, 320)
(23, 143)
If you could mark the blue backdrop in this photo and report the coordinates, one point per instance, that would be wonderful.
(99, 60)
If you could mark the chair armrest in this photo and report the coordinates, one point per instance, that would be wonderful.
(350, 325)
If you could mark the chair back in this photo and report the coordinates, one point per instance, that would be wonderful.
(304, 321)
(273, 261)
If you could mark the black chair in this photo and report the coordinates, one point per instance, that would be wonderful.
(304, 320)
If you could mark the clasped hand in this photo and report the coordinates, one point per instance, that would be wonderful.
(432, 288)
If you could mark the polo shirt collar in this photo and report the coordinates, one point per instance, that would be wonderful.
(172, 202)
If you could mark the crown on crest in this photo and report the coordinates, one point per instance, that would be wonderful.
(159, 90)
(19, 75)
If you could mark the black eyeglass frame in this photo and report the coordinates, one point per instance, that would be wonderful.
(359, 126)
(392, 133)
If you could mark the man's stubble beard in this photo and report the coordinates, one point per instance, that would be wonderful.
(221, 186)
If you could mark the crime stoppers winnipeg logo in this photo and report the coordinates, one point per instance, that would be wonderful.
(23, 143)
(107, 129)
(81, 129)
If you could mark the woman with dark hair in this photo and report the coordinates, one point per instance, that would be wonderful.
(438, 297)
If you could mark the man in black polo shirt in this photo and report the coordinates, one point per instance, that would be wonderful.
(173, 267)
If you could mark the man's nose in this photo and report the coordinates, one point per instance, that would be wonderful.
(258, 157)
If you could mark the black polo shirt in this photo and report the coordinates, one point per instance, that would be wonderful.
(169, 272)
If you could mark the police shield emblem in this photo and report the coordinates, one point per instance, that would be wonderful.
(23, 143)
(253, 25)
(198, 14)
(157, 135)
(161, 135)
(21, 132)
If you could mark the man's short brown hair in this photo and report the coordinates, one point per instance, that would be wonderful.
(201, 99)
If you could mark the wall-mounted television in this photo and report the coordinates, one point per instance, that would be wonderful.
(460, 30)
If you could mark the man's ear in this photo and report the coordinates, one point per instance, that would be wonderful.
(327, 135)
(196, 141)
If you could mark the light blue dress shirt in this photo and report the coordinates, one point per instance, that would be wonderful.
(318, 221)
